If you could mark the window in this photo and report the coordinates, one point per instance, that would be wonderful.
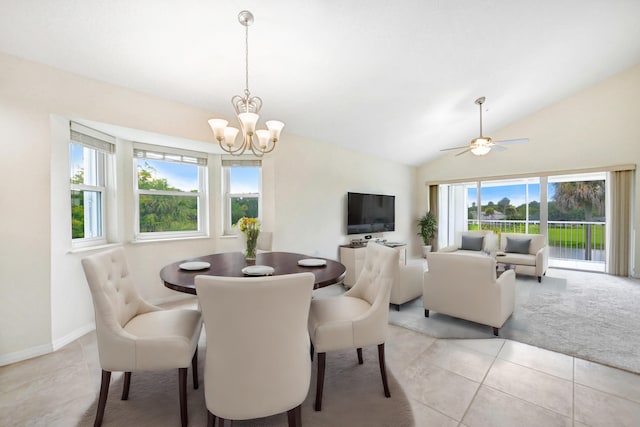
(568, 209)
(170, 193)
(91, 159)
(242, 181)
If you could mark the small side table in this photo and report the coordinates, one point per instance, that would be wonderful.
(501, 267)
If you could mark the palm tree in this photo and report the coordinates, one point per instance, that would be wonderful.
(587, 195)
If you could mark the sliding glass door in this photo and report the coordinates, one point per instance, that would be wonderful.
(577, 221)
(569, 209)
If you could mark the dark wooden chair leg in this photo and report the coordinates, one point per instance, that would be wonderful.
(221, 422)
(426, 313)
(360, 361)
(211, 419)
(194, 369)
(294, 416)
(182, 385)
(320, 383)
(311, 350)
(495, 331)
(102, 400)
(126, 385)
(383, 370)
(539, 279)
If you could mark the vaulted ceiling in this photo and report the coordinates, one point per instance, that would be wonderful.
(396, 79)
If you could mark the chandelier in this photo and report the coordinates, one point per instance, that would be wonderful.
(247, 108)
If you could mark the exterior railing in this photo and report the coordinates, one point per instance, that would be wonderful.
(567, 239)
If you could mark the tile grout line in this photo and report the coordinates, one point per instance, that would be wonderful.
(484, 377)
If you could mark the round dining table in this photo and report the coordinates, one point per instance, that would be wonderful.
(230, 264)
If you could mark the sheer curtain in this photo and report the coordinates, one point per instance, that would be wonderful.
(619, 236)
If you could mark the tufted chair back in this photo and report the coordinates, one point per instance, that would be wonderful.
(375, 281)
(115, 302)
(257, 361)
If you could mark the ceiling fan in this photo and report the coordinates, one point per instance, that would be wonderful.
(481, 145)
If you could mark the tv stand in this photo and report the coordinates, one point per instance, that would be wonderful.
(353, 259)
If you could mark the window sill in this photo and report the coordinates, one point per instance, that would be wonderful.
(92, 248)
(167, 239)
(228, 236)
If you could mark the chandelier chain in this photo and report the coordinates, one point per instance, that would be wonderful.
(246, 61)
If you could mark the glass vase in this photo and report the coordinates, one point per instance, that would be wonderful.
(250, 252)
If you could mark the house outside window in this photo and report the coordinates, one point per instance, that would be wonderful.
(170, 193)
(242, 183)
(91, 165)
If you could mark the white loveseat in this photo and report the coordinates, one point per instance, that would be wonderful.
(530, 258)
(465, 286)
(465, 243)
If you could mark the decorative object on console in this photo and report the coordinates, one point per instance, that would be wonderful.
(483, 144)
(251, 229)
(427, 225)
(247, 108)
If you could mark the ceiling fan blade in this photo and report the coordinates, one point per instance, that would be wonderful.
(498, 147)
(464, 151)
(455, 148)
(512, 141)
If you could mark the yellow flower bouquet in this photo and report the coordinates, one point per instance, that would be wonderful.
(251, 229)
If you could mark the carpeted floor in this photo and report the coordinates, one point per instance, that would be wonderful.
(592, 316)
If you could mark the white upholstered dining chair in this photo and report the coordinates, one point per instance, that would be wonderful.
(134, 335)
(265, 241)
(257, 362)
(359, 317)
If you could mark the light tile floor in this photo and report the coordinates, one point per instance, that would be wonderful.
(485, 382)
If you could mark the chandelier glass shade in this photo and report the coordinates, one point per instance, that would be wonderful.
(247, 107)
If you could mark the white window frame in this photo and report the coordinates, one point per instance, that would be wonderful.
(199, 160)
(227, 164)
(99, 162)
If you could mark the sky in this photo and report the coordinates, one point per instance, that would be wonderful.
(515, 194)
(184, 176)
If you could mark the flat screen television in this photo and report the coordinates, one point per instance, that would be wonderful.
(370, 213)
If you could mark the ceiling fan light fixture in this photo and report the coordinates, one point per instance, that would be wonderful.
(481, 150)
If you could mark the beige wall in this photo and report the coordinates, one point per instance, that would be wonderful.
(45, 302)
(595, 128)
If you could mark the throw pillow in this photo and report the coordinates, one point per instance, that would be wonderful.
(518, 246)
(472, 243)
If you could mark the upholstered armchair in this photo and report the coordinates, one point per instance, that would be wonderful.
(134, 335)
(407, 284)
(465, 286)
(527, 253)
(257, 361)
(359, 317)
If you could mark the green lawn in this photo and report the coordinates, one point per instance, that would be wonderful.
(558, 236)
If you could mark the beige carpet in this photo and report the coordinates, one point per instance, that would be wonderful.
(353, 396)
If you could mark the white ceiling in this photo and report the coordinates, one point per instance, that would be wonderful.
(396, 79)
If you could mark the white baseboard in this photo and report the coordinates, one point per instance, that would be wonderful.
(39, 350)
(27, 353)
(74, 335)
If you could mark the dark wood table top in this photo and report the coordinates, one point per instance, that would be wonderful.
(230, 264)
